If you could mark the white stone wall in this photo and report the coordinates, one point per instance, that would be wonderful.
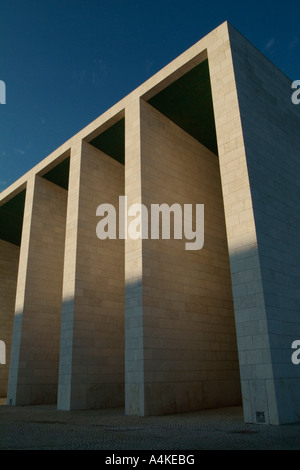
(187, 345)
(271, 124)
(35, 349)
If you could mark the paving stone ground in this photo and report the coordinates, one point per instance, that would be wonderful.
(44, 427)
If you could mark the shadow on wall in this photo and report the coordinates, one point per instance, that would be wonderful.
(178, 357)
(34, 360)
(267, 323)
(91, 364)
(152, 351)
(265, 318)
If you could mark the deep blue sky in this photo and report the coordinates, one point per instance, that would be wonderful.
(65, 62)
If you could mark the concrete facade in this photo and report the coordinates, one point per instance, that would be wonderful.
(188, 341)
(144, 323)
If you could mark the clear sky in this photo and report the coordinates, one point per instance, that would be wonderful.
(65, 62)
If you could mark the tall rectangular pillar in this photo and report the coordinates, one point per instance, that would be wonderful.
(134, 337)
(249, 306)
(35, 349)
(258, 140)
(92, 340)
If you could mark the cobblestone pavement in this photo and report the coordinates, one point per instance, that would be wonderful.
(44, 427)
